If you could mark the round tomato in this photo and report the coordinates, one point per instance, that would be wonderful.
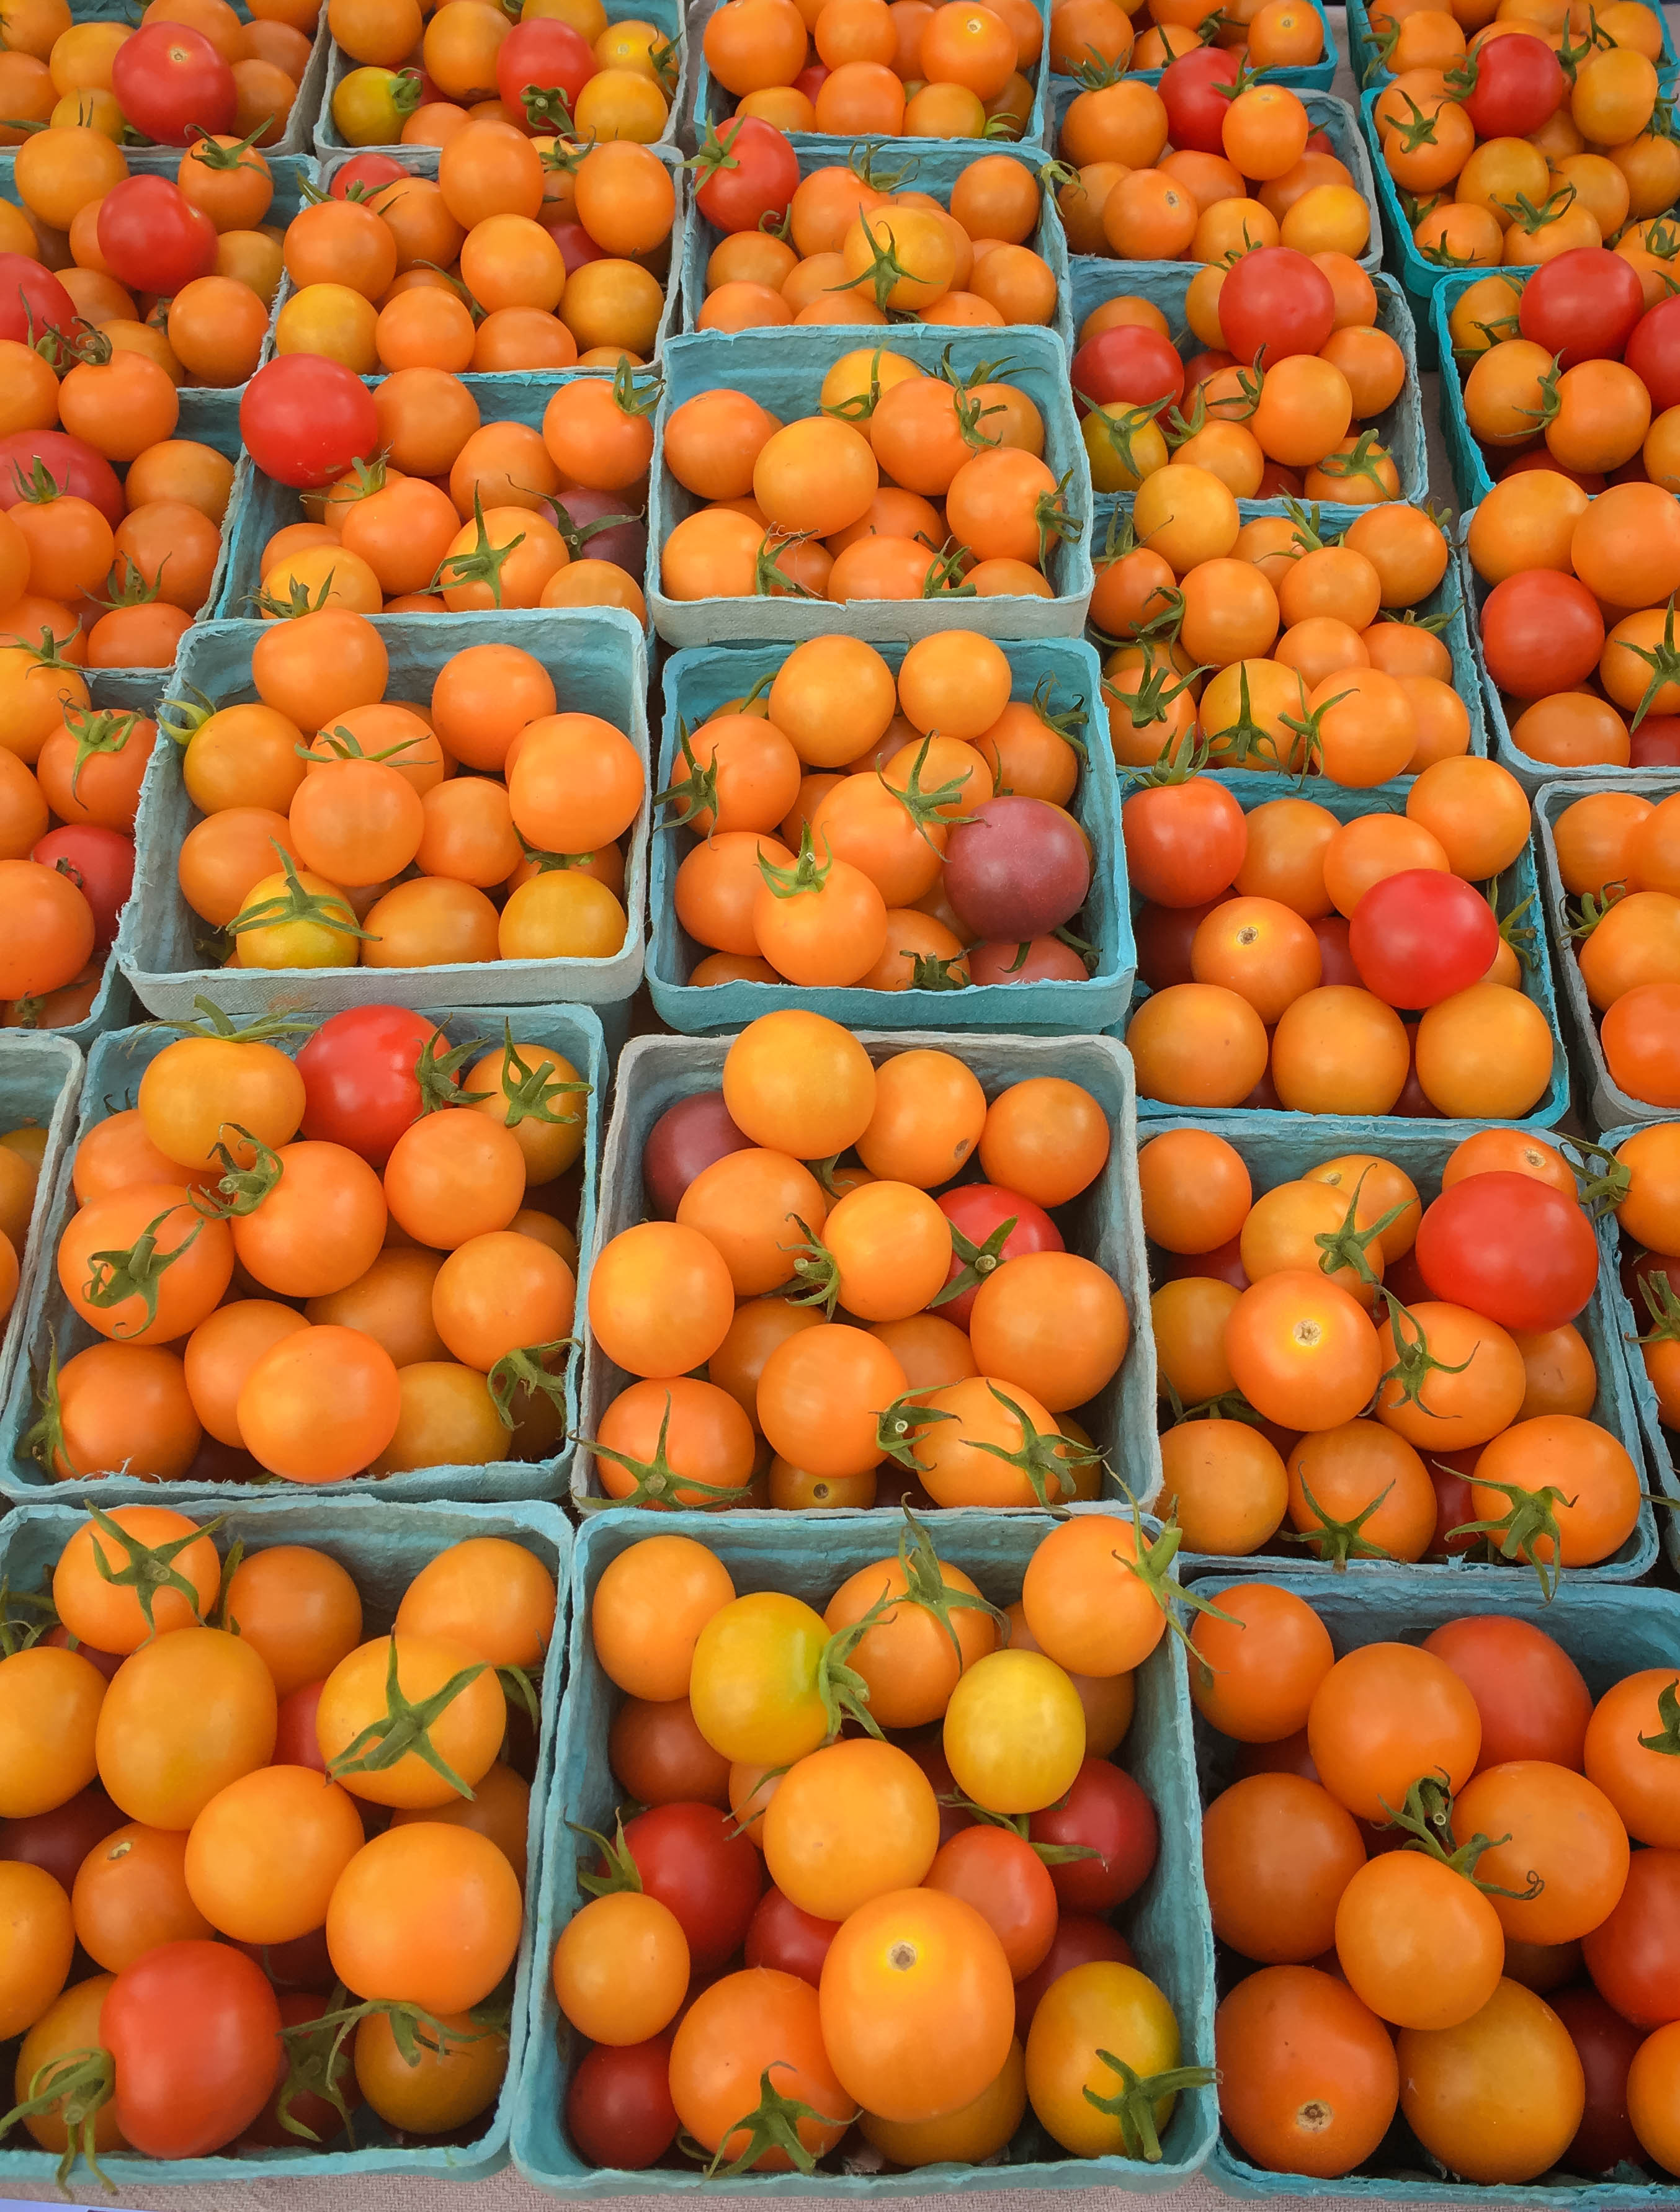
(192, 2027)
(305, 419)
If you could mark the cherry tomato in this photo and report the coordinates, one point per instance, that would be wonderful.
(153, 237)
(1106, 1811)
(1520, 86)
(1583, 305)
(749, 171)
(1277, 302)
(305, 419)
(618, 2108)
(1418, 936)
(1510, 1248)
(192, 2027)
(780, 1935)
(168, 79)
(692, 1859)
(977, 1211)
(360, 1077)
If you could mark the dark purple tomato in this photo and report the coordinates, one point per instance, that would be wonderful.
(71, 462)
(606, 526)
(1653, 351)
(1107, 1810)
(1224, 1264)
(153, 238)
(1164, 935)
(170, 80)
(1081, 1940)
(1127, 364)
(32, 299)
(779, 1935)
(1048, 961)
(977, 1211)
(618, 2108)
(685, 1141)
(1656, 743)
(1017, 868)
(748, 170)
(1520, 86)
(693, 1860)
(360, 1077)
(1418, 937)
(1335, 953)
(99, 862)
(295, 1743)
(302, 1964)
(1277, 301)
(1583, 305)
(1450, 1474)
(1196, 104)
(1508, 1247)
(538, 59)
(58, 1841)
(1605, 2044)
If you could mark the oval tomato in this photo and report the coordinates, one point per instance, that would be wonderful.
(305, 419)
(1510, 1248)
(192, 2027)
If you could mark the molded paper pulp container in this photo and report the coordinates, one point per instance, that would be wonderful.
(668, 15)
(1280, 1148)
(1609, 1633)
(697, 682)
(40, 1081)
(934, 172)
(1334, 116)
(1311, 76)
(1610, 1106)
(1104, 1223)
(1631, 1321)
(1371, 70)
(713, 104)
(1167, 1922)
(260, 506)
(114, 1069)
(784, 369)
(1534, 775)
(1347, 1132)
(1163, 284)
(598, 664)
(384, 1547)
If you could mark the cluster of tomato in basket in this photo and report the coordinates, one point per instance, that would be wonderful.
(896, 833)
(1436, 1839)
(522, 253)
(1291, 993)
(1277, 1317)
(787, 502)
(75, 91)
(857, 245)
(1097, 39)
(333, 1874)
(861, 68)
(426, 73)
(1291, 359)
(1536, 134)
(20, 1153)
(1617, 856)
(1209, 167)
(845, 1316)
(1271, 647)
(1578, 627)
(1574, 371)
(360, 1259)
(904, 1929)
(339, 829)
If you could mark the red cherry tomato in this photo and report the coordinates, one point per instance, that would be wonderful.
(691, 1858)
(170, 80)
(153, 238)
(1105, 1809)
(99, 863)
(304, 419)
(1508, 1247)
(192, 2027)
(1195, 105)
(977, 1211)
(1277, 302)
(71, 462)
(1520, 85)
(1418, 937)
(538, 59)
(360, 1077)
(1653, 351)
(1583, 305)
(779, 1935)
(618, 2108)
(1126, 364)
(753, 173)
(32, 299)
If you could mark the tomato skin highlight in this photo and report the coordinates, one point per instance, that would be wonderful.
(192, 2026)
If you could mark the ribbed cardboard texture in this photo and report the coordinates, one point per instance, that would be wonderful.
(336, 65)
(1347, 1133)
(1167, 1922)
(1280, 1148)
(936, 172)
(784, 369)
(40, 1082)
(699, 681)
(1104, 1223)
(598, 664)
(1334, 116)
(383, 1546)
(1609, 1633)
(1611, 1106)
(115, 1066)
